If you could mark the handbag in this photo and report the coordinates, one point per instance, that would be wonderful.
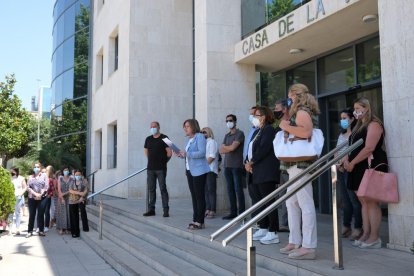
(289, 148)
(379, 186)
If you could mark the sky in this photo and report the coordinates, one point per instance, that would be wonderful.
(26, 45)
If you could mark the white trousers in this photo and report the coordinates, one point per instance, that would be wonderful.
(301, 208)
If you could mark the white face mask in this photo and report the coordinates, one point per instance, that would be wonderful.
(251, 118)
(256, 122)
(359, 114)
(230, 125)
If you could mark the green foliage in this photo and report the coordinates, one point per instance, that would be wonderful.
(7, 198)
(16, 124)
(279, 8)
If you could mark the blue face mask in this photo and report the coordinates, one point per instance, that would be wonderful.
(153, 130)
(77, 177)
(36, 170)
(344, 123)
(65, 173)
(289, 102)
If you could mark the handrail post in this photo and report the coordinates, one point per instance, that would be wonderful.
(336, 225)
(251, 253)
(147, 198)
(100, 216)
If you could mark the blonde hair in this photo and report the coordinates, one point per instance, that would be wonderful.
(50, 171)
(368, 116)
(209, 132)
(304, 100)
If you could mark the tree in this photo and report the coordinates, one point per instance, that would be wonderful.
(279, 8)
(7, 199)
(16, 124)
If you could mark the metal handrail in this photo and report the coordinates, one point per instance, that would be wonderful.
(251, 266)
(100, 198)
(116, 183)
(272, 195)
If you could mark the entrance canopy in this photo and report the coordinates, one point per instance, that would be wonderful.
(315, 28)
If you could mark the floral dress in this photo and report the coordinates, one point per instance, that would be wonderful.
(62, 220)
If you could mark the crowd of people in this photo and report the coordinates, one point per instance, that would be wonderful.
(53, 199)
(251, 162)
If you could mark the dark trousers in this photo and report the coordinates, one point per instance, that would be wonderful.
(211, 187)
(47, 211)
(234, 187)
(284, 177)
(39, 207)
(348, 200)
(74, 218)
(197, 189)
(254, 192)
(152, 176)
(271, 221)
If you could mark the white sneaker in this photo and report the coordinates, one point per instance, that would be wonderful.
(259, 234)
(271, 237)
(37, 230)
(46, 229)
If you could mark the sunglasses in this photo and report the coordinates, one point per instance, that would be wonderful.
(203, 132)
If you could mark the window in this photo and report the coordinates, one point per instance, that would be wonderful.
(368, 61)
(303, 74)
(113, 51)
(98, 149)
(99, 68)
(112, 145)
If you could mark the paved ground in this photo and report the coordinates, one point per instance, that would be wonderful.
(50, 255)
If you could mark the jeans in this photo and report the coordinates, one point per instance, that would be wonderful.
(152, 176)
(234, 187)
(39, 206)
(211, 187)
(19, 203)
(356, 209)
(197, 186)
(47, 211)
(284, 177)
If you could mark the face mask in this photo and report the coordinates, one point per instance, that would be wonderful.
(344, 123)
(256, 122)
(65, 173)
(251, 118)
(13, 174)
(153, 130)
(278, 114)
(359, 114)
(289, 102)
(36, 170)
(230, 125)
(77, 177)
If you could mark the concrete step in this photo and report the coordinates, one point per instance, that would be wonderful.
(121, 260)
(201, 237)
(204, 256)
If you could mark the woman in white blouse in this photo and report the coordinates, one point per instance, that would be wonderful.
(20, 187)
(211, 183)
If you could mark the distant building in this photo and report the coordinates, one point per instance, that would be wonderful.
(33, 104)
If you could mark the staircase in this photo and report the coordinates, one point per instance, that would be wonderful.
(137, 245)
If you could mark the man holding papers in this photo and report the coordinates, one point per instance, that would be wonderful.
(158, 154)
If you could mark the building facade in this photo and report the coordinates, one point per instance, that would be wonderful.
(168, 61)
(70, 74)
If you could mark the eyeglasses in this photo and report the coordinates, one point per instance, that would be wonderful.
(228, 121)
(203, 132)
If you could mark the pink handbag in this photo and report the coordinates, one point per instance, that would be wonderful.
(379, 186)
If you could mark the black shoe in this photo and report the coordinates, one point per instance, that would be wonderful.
(231, 216)
(86, 230)
(150, 213)
(75, 236)
(166, 213)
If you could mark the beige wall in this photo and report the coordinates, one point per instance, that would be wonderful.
(397, 70)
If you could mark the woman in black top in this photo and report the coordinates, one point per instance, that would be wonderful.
(264, 166)
(371, 130)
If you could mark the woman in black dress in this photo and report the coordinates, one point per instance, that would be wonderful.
(371, 130)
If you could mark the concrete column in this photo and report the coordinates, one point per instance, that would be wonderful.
(222, 86)
(397, 67)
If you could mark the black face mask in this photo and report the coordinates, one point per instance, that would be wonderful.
(13, 173)
(278, 114)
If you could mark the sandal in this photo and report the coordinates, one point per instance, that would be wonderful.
(42, 234)
(210, 215)
(196, 226)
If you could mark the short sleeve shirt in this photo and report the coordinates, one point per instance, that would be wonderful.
(81, 187)
(234, 159)
(157, 155)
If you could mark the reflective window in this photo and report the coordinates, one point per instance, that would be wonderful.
(273, 88)
(303, 74)
(368, 61)
(336, 72)
(68, 53)
(69, 18)
(67, 85)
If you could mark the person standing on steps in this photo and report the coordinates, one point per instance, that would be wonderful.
(158, 154)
